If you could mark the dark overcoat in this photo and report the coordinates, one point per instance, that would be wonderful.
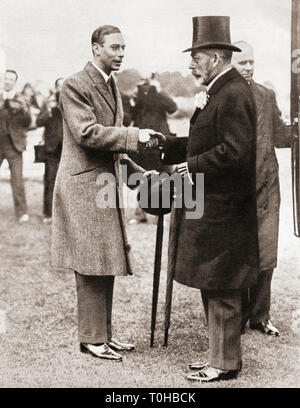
(86, 236)
(271, 132)
(15, 124)
(53, 124)
(220, 250)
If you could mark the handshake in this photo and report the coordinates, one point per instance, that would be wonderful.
(151, 140)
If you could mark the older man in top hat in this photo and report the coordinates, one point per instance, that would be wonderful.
(219, 252)
(271, 132)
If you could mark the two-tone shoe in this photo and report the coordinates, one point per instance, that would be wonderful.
(210, 374)
(265, 328)
(100, 351)
(119, 346)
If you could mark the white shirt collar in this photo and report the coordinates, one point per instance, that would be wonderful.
(105, 76)
(217, 77)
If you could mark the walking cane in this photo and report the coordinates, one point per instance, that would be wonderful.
(169, 293)
(156, 275)
(173, 242)
(169, 290)
(295, 115)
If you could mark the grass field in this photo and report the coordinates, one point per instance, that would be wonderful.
(40, 348)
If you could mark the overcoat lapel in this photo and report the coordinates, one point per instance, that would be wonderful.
(194, 117)
(100, 85)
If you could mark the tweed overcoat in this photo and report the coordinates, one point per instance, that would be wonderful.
(271, 132)
(220, 250)
(87, 237)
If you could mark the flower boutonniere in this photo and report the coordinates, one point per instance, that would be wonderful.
(201, 99)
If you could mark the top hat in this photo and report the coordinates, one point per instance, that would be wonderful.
(155, 195)
(212, 32)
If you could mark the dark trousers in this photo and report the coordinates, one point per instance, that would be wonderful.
(94, 308)
(256, 301)
(15, 161)
(223, 312)
(51, 167)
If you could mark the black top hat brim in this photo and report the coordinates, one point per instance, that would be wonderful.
(209, 45)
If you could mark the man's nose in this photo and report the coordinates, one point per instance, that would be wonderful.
(192, 65)
(249, 66)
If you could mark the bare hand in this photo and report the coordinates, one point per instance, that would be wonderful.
(152, 140)
(157, 142)
(145, 134)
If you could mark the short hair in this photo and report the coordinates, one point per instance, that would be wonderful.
(225, 54)
(12, 71)
(99, 34)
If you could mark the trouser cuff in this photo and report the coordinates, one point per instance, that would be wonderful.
(100, 338)
(226, 365)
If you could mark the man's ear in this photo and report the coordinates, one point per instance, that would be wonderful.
(96, 49)
(216, 60)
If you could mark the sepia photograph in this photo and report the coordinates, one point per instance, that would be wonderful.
(150, 196)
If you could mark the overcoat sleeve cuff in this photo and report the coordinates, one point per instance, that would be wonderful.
(132, 139)
(193, 165)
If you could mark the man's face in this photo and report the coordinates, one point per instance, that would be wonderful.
(111, 53)
(201, 66)
(10, 80)
(244, 63)
(59, 85)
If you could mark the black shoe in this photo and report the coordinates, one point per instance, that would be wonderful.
(265, 328)
(243, 328)
(210, 374)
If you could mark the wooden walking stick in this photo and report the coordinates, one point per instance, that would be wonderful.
(153, 189)
(295, 112)
(156, 275)
(168, 305)
(170, 277)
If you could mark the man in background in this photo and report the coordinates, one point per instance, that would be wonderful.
(14, 120)
(271, 132)
(50, 118)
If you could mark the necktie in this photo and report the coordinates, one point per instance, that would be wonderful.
(110, 86)
(111, 90)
